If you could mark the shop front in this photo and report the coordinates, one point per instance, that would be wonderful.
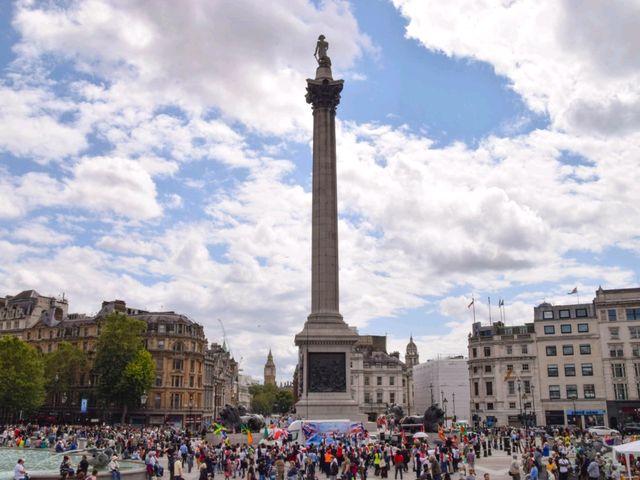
(622, 413)
(585, 418)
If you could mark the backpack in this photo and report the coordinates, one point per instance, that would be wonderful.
(334, 468)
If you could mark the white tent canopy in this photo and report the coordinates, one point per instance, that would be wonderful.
(627, 449)
(631, 447)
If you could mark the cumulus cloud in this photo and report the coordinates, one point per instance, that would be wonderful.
(231, 55)
(557, 55)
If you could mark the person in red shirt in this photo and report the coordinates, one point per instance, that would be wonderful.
(398, 461)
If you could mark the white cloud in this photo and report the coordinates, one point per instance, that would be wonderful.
(576, 61)
(230, 55)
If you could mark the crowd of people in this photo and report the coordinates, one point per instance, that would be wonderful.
(536, 455)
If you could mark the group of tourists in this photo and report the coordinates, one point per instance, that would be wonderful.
(535, 455)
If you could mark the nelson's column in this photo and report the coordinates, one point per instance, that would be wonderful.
(326, 341)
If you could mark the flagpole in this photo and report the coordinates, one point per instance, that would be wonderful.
(473, 305)
(490, 322)
(578, 294)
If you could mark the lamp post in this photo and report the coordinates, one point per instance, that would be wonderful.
(520, 397)
(143, 402)
(190, 412)
(444, 403)
(431, 388)
(63, 400)
(533, 406)
(454, 404)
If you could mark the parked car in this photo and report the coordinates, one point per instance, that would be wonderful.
(602, 431)
(631, 429)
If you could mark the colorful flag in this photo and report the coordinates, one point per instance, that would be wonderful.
(508, 375)
(575, 290)
(249, 438)
(265, 434)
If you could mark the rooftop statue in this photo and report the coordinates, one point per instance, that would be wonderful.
(321, 52)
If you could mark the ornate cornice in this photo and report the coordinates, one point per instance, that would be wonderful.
(324, 94)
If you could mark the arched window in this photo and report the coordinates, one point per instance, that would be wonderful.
(178, 347)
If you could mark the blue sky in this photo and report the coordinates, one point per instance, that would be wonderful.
(161, 155)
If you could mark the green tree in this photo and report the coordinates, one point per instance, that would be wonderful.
(125, 368)
(268, 399)
(63, 367)
(21, 377)
(283, 400)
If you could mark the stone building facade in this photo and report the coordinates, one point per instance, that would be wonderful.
(576, 364)
(189, 375)
(379, 379)
(502, 372)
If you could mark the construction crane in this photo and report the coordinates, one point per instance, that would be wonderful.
(224, 337)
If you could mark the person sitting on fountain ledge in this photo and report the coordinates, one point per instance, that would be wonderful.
(19, 472)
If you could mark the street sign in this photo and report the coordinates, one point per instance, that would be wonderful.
(83, 405)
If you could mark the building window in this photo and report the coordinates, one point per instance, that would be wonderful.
(474, 352)
(616, 350)
(547, 315)
(158, 381)
(585, 349)
(554, 392)
(512, 387)
(378, 397)
(509, 367)
(489, 405)
(176, 381)
(525, 367)
(487, 351)
(617, 370)
(525, 350)
(587, 369)
(614, 332)
(634, 332)
(176, 400)
(636, 368)
(477, 405)
(392, 381)
(366, 380)
(612, 315)
(160, 344)
(552, 370)
(487, 369)
(509, 350)
(489, 388)
(476, 389)
(527, 386)
(635, 349)
(378, 381)
(157, 401)
(512, 404)
(392, 397)
(569, 370)
(367, 397)
(565, 328)
(589, 390)
(567, 349)
(551, 350)
(549, 329)
(564, 314)
(633, 313)
(583, 327)
(581, 312)
(475, 369)
(178, 364)
(572, 391)
(620, 391)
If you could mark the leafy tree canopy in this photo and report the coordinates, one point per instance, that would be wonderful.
(21, 377)
(63, 366)
(125, 368)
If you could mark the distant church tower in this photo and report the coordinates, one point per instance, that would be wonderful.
(270, 370)
(411, 357)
